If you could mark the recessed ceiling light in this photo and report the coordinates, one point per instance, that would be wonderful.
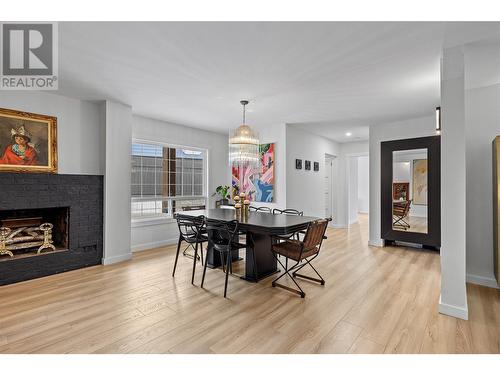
(348, 134)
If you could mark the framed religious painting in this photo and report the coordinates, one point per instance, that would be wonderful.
(28, 142)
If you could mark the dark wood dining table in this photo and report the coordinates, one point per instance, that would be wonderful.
(260, 228)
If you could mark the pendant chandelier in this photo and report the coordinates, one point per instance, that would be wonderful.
(244, 145)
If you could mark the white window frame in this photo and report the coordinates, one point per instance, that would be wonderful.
(165, 218)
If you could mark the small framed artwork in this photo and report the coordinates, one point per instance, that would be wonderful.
(307, 165)
(316, 166)
(28, 142)
(298, 163)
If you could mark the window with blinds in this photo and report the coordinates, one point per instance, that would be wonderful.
(166, 179)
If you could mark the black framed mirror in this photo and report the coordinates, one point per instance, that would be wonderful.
(411, 191)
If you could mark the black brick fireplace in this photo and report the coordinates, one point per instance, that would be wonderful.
(78, 197)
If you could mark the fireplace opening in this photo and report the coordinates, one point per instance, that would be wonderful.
(33, 232)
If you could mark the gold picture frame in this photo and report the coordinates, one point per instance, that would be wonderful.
(28, 142)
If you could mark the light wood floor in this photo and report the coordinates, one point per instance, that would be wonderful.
(375, 300)
(417, 224)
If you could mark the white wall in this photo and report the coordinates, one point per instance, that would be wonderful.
(117, 179)
(80, 128)
(453, 299)
(305, 190)
(363, 184)
(482, 118)
(410, 128)
(401, 172)
(147, 235)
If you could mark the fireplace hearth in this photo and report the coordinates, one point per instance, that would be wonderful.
(51, 224)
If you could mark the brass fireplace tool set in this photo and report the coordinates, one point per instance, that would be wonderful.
(25, 238)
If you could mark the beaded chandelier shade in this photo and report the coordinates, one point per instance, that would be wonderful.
(244, 145)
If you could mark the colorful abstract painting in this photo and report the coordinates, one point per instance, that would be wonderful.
(257, 184)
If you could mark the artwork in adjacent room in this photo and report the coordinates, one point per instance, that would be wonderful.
(298, 163)
(307, 165)
(257, 183)
(420, 181)
(401, 191)
(316, 166)
(28, 142)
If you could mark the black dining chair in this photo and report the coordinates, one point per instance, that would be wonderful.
(191, 231)
(223, 238)
(192, 208)
(260, 209)
(290, 211)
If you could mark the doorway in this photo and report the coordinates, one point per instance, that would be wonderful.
(357, 186)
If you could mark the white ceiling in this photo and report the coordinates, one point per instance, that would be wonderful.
(326, 77)
(359, 130)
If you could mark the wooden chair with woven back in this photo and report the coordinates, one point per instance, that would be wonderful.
(400, 211)
(303, 253)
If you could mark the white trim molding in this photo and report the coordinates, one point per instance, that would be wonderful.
(490, 282)
(378, 243)
(147, 222)
(455, 311)
(116, 259)
(154, 245)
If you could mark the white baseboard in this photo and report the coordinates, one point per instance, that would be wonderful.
(490, 282)
(153, 245)
(377, 243)
(455, 311)
(116, 259)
